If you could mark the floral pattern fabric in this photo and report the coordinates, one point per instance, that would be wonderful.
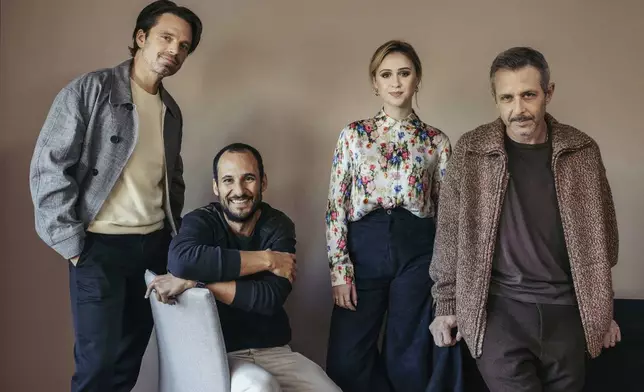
(385, 163)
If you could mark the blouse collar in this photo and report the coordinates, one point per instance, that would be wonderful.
(383, 119)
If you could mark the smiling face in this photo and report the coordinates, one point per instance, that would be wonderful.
(239, 185)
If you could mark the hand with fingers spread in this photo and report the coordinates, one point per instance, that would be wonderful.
(282, 264)
(441, 329)
(345, 296)
(167, 287)
(613, 336)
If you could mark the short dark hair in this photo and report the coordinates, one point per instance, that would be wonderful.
(150, 15)
(239, 147)
(520, 57)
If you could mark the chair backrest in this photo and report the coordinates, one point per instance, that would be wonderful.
(192, 353)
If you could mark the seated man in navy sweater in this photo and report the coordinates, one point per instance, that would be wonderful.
(243, 251)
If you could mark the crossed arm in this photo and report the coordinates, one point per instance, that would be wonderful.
(255, 281)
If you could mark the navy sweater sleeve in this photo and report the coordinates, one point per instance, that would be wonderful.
(265, 293)
(195, 254)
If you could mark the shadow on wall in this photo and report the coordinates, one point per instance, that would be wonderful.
(35, 287)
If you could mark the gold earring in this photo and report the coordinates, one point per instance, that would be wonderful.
(376, 92)
(416, 88)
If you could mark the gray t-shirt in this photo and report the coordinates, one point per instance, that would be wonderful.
(531, 262)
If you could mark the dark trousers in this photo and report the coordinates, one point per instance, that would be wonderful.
(448, 372)
(391, 252)
(532, 347)
(112, 319)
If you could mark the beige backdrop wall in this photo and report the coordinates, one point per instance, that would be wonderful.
(286, 76)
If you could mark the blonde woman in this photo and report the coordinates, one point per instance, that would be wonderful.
(383, 195)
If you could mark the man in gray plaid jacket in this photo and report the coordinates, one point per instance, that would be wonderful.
(107, 185)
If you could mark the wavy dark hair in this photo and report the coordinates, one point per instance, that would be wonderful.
(150, 15)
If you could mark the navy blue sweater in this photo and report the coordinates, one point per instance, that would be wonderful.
(206, 250)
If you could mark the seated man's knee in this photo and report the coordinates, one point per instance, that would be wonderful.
(264, 384)
(248, 377)
(315, 376)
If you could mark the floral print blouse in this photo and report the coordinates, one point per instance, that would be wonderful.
(381, 162)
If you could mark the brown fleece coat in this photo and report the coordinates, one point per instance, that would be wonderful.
(471, 199)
